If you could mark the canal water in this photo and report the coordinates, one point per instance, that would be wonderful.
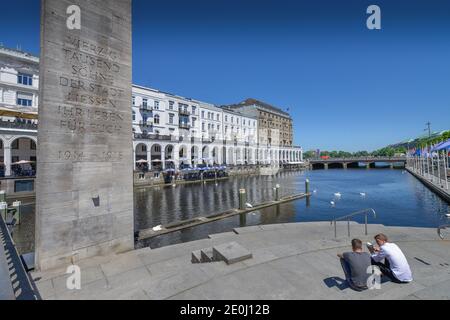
(398, 198)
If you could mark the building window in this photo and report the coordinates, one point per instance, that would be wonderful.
(134, 101)
(171, 103)
(25, 79)
(203, 126)
(226, 118)
(134, 115)
(157, 119)
(193, 121)
(218, 117)
(156, 105)
(145, 103)
(203, 114)
(232, 119)
(24, 100)
(194, 108)
(15, 145)
(32, 145)
(171, 115)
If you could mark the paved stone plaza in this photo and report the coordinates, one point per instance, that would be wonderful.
(290, 261)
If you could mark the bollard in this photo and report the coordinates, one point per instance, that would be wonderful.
(277, 192)
(3, 210)
(243, 220)
(16, 205)
(307, 186)
(3, 196)
(242, 199)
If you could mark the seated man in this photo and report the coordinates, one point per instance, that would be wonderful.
(355, 265)
(396, 266)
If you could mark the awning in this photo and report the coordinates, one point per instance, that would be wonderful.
(441, 146)
(5, 112)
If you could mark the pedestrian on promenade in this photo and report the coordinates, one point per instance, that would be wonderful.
(395, 265)
(356, 265)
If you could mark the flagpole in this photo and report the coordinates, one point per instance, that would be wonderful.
(432, 167)
(445, 169)
(439, 169)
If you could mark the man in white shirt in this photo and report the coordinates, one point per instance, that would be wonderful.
(396, 266)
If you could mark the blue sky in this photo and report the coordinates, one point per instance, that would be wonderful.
(347, 87)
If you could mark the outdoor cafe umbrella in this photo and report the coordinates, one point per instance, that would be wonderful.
(142, 161)
(23, 162)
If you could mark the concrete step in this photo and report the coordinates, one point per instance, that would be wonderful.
(207, 255)
(231, 253)
(196, 257)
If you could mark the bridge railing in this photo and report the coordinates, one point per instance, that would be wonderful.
(360, 159)
(349, 217)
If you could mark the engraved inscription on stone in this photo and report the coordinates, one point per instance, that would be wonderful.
(84, 138)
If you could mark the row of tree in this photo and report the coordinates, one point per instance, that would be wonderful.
(424, 142)
(390, 151)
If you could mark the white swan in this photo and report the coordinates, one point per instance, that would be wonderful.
(249, 205)
(314, 191)
(333, 203)
(448, 215)
(157, 228)
(338, 194)
(363, 194)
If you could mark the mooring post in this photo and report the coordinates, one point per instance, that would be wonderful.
(277, 192)
(242, 199)
(307, 186)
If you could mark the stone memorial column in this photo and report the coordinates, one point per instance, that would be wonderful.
(85, 168)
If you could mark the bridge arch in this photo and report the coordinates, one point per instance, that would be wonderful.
(318, 166)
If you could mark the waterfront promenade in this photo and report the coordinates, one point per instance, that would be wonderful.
(290, 261)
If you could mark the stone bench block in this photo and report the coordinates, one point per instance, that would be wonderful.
(231, 253)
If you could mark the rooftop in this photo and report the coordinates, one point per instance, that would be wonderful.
(258, 104)
(19, 54)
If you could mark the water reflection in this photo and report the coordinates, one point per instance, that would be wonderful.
(398, 198)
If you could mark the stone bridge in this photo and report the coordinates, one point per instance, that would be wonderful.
(344, 163)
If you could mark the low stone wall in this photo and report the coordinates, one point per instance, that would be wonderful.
(441, 192)
(18, 188)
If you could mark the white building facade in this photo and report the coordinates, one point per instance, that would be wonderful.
(19, 85)
(169, 131)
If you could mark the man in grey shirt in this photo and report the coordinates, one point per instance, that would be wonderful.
(355, 265)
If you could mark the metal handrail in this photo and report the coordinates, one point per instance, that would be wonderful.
(439, 231)
(23, 285)
(348, 217)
